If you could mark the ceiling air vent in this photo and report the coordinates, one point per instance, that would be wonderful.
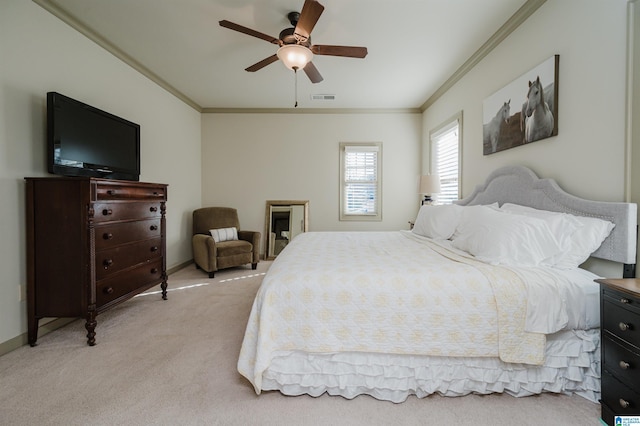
(323, 97)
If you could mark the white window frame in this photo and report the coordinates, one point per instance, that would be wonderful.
(361, 147)
(450, 174)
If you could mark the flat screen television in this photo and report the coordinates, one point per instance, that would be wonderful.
(86, 141)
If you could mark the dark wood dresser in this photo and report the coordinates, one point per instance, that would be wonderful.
(620, 331)
(91, 244)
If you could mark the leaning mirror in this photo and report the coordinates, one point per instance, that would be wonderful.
(284, 220)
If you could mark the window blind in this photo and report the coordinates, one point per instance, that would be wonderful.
(360, 181)
(445, 161)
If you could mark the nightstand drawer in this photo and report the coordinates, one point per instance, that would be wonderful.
(621, 322)
(619, 398)
(623, 361)
(621, 299)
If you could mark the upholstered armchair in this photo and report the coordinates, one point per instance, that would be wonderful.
(229, 247)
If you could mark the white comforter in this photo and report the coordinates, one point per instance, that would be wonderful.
(395, 293)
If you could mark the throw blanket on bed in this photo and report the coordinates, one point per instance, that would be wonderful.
(385, 292)
(514, 343)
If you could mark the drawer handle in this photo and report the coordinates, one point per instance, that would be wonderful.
(154, 270)
(111, 192)
(624, 326)
(108, 290)
(624, 403)
(623, 300)
(154, 227)
(154, 248)
(107, 235)
(624, 365)
(153, 209)
(107, 212)
(107, 263)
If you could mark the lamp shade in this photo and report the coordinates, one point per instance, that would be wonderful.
(294, 56)
(429, 184)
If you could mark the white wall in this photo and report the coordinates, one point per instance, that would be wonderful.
(587, 158)
(39, 53)
(248, 159)
(635, 118)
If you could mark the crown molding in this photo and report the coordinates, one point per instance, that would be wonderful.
(521, 15)
(311, 111)
(76, 24)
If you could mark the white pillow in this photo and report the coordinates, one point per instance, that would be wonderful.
(224, 234)
(579, 236)
(437, 222)
(500, 238)
(585, 241)
(562, 225)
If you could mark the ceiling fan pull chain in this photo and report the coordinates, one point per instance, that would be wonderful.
(295, 73)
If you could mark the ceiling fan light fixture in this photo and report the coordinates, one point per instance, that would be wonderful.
(294, 56)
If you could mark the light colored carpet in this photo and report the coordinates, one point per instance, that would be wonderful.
(174, 363)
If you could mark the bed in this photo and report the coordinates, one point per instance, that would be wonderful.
(480, 297)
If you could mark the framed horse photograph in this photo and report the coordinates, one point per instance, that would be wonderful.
(524, 111)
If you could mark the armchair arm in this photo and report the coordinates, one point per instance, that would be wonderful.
(254, 238)
(205, 252)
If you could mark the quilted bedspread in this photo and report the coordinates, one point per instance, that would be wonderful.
(385, 292)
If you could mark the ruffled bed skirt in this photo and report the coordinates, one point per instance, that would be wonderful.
(572, 366)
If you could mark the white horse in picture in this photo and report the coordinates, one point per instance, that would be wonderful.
(491, 130)
(539, 119)
(548, 98)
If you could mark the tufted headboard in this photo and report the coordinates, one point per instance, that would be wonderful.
(519, 185)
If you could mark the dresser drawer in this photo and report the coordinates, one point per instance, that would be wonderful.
(108, 212)
(621, 360)
(115, 234)
(620, 321)
(619, 398)
(118, 258)
(128, 281)
(124, 191)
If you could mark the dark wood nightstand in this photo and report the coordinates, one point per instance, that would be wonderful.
(620, 332)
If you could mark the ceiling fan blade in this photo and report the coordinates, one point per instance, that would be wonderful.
(248, 31)
(347, 51)
(313, 73)
(311, 11)
(263, 63)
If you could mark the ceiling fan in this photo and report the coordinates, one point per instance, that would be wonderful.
(296, 50)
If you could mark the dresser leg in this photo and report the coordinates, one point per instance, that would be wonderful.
(163, 286)
(90, 325)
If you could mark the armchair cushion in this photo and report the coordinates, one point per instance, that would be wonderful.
(233, 247)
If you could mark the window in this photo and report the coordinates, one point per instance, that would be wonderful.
(360, 181)
(445, 142)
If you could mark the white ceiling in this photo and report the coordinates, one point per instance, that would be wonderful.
(414, 47)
